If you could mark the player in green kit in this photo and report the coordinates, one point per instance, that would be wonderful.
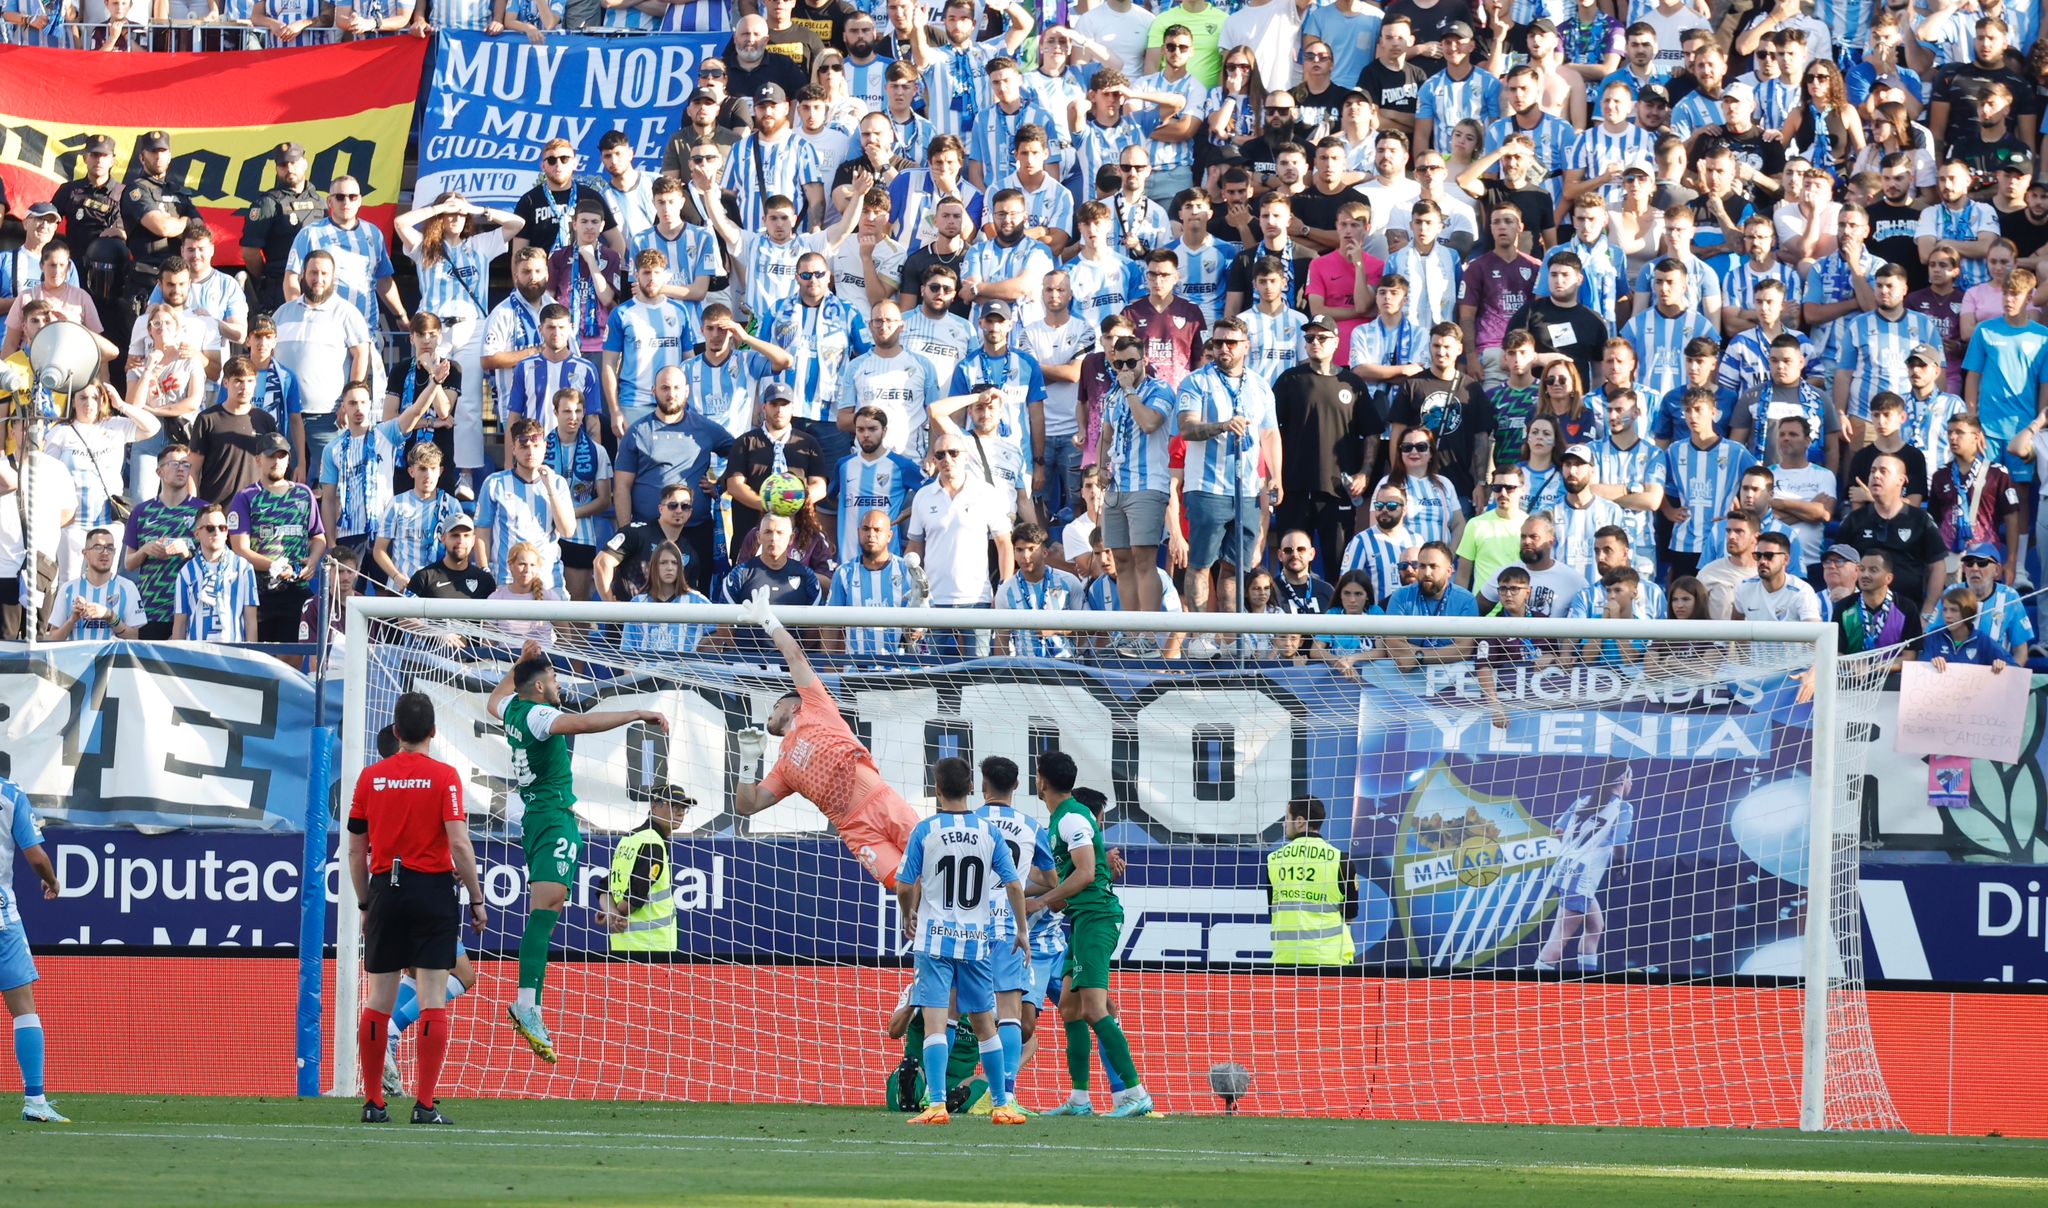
(529, 702)
(1096, 920)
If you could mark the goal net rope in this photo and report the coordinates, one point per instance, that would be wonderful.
(1605, 872)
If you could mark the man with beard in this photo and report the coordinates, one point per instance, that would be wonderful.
(273, 223)
(275, 527)
(324, 343)
(1552, 585)
(1278, 129)
(672, 447)
(1382, 547)
(1562, 323)
(751, 67)
(1961, 82)
(1009, 265)
(771, 161)
(2022, 207)
(1329, 435)
(700, 125)
(1895, 219)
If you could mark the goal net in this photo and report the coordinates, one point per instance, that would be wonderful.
(1605, 872)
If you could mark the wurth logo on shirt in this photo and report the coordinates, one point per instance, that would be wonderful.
(384, 783)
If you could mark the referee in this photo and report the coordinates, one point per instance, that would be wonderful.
(410, 808)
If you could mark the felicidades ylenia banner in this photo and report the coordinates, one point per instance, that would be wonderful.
(350, 106)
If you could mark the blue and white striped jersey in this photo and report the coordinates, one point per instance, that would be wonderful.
(1553, 137)
(887, 483)
(1143, 219)
(1704, 480)
(1636, 468)
(1103, 595)
(1607, 276)
(956, 86)
(1774, 101)
(940, 339)
(868, 83)
(1926, 427)
(1096, 145)
(2004, 618)
(649, 337)
(1168, 156)
(785, 166)
(361, 260)
(584, 465)
(665, 637)
(512, 510)
(1829, 281)
(1591, 601)
(1431, 504)
(698, 17)
(1694, 111)
(1746, 361)
(914, 138)
(18, 833)
(119, 595)
(1702, 283)
(211, 597)
(22, 268)
(903, 386)
(1659, 340)
(1226, 464)
(1447, 102)
(1103, 288)
(535, 380)
(1137, 458)
(360, 467)
(822, 338)
(1378, 554)
(1575, 529)
(1204, 274)
(770, 269)
(1054, 591)
(413, 527)
(632, 207)
(1738, 284)
(692, 254)
(456, 288)
(277, 392)
(960, 866)
(993, 141)
(857, 585)
(514, 324)
(988, 260)
(1374, 342)
(1050, 205)
(1029, 846)
(1277, 343)
(724, 393)
(462, 14)
(1432, 283)
(1872, 350)
(1013, 372)
(1596, 150)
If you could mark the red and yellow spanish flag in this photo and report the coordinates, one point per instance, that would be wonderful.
(350, 106)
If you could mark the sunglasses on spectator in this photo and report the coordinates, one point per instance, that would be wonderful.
(1314, 56)
(703, 159)
(1407, 565)
(713, 73)
(1764, 555)
(815, 274)
(100, 548)
(1322, 335)
(944, 454)
(1498, 487)
(1388, 505)
(1979, 562)
(1127, 364)
(677, 505)
(559, 159)
(831, 67)
(1417, 447)
(1557, 381)
(1135, 167)
(211, 528)
(345, 196)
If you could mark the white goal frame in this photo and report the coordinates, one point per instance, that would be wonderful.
(1819, 946)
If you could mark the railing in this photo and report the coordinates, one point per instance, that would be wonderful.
(218, 34)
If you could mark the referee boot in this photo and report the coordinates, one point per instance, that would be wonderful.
(374, 1113)
(422, 1114)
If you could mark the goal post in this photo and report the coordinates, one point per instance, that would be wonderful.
(1680, 791)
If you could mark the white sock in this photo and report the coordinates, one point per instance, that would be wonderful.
(528, 998)
(1588, 962)
(455, 990)
(1544, 967)
(1079, 1099)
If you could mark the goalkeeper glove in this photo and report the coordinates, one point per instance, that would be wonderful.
(753, 743)
(757, 611)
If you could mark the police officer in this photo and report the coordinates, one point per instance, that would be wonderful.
(154, 214)
(274, 222)
(1313, 891)
(640, 906)
(90, 208)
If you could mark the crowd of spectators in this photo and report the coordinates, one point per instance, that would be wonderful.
(1679, 309)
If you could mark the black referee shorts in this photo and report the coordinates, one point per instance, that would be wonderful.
(413, 924)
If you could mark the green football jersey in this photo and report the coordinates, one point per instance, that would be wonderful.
(540, 766)
(1066, 825)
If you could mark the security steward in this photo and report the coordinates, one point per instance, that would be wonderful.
(1313, 890)
(640, 906)
(90, 209)
(409, 845)
(274, 221)
(154, 214)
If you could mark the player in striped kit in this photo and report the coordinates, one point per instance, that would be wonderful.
(1037, 587)
(409, 531)
(876, 579)
(558, 367)
(874, 477)
(20, 834)
(528, 502)
(1870, 350)
(1703, 472)
(99, 604)
(1277, 331)
(1660, 333)
(215, 599)
(357, 471)
(1022, 979)
(953, 865)
(647, 334)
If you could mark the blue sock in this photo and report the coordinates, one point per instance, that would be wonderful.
(994, 1069)
(28, 1053)
(407, 1012)
(935, 1050)
(1116, 1084)
(1011, 1033)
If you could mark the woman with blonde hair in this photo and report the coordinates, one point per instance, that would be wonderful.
(525, 579)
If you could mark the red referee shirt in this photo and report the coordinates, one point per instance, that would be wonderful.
(407, 800)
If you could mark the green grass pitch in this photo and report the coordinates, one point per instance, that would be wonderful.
(149, 1152)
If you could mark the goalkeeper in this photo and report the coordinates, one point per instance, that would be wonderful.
(529, 702)
(822, 760)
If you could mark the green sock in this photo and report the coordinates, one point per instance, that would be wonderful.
(963, 1056)
(913, 1037)
(533, 949)
(1079, 1054)
(1115, 1048)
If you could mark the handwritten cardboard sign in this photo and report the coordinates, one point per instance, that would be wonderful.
(1967, 711)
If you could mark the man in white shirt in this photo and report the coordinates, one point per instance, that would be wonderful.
(1271, 30)
(1122, 27)
(324, 342)
(1803, 495)
(956, 522)
(1773, 595)
(1058, 343)
(53, 500)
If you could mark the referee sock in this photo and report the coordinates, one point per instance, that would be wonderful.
(1011, 1032)
(533, 951)
(1116, 1051)
(433, 1051)
(993, 1069)
(28, 1053)
(1079, 1056)
(373, 1031)
(935, 1071)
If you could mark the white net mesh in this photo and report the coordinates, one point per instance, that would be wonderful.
(1583, 877)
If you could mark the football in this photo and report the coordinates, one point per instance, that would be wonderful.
(783, 494)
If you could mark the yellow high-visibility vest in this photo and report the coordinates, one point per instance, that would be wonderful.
(651, 927)
(1308, 904)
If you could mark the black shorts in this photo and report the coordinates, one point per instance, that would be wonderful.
(576, 555)
(413, 924)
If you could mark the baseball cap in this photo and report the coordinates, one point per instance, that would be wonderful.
(42, 209)
(1985, 549)
(1543, 25)
(1639, 166)
(288, 153)
(2019, 163)
(1320, 325)
(1458, 29)
(770, 94)
(1739, 90)
(1928, 353)
(698, 94)
(273, 444)
(779, 394)
(996, 309)
(1846, 553)
(456, 521)
(1583, 452)
(99, 144)
(1653, 93)
(154, 140)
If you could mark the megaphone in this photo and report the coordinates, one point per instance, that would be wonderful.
(64, 357)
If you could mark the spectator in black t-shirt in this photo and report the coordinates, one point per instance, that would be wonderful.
(1451, 405)
(776, 445)
(457, 575)
(1562, 324)
(230, 442)
(2022, 206)
(1393, 81)
(1905, 534)
(550, 206)
(1952, 117)
(621, 566)
(1318, 100)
